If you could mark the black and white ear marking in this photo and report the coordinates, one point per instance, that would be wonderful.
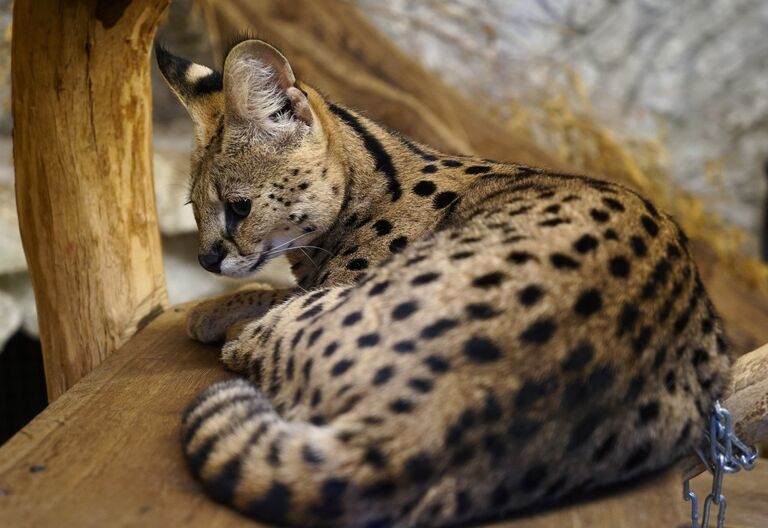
(198, 87)
(260, 91)
(187, 79)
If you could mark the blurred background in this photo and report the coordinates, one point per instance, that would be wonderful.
(670, 98)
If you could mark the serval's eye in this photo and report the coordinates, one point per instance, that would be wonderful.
(240, 208)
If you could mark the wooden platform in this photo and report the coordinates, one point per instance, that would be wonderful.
(107, 453)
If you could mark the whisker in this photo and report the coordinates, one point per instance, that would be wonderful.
(315, 247)
(308, 257)
(292, 240)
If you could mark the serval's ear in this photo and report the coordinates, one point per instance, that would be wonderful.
(199, 88)
(260, 91)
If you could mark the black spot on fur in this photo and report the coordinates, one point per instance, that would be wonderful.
(436, 364)
(375, 457)
(415, 260)
(599, 215)
(425, 278)
(539, 332)
(638, 456)
(357, 264)
(640, 342)
(588, 303)
(398, 244)
(273, 506)
(699, 356)
(492, 410)
(585, 244)
(404, 310)
(404, 347)
(422, 385)
(520, 257)
(658, 359)
(635, 387)
(461, 255)
(443, 199)
(352, 318)
(530, 295)
(330, 506)
(419, 468)
(489, 280)
(311, 312)
(638, 246)
(314, 336)
(401, 406)
(368, 340)
(563, 261)
(579, 357)
(382, 227)
(481, 311)
(552, 222)
(330, 349)
(438, 328)
(532, 391)
(424, 188)
(670, 382)
(619, 267)
(583, 429)
(314, 297)
(311, 455)
(341, 366)
(222, 487)
(605, 448)
(477, 169)
(481, 350)
(627, 318)
(613, 204)
(651, 227)
(378, 288)
(383, 375)
(648, 412)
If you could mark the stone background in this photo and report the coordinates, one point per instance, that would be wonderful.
(691, 75)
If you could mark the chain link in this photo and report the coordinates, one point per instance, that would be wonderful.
(727, 454)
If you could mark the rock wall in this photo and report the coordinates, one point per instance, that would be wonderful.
(691, 73)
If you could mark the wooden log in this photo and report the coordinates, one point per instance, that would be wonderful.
(82, 155)
(747, 401)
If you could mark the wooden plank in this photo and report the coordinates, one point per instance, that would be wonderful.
(107, 453)
(82, 159)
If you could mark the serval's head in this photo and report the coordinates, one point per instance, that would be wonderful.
(262, 179)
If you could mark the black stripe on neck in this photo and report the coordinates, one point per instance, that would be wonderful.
(374, 147)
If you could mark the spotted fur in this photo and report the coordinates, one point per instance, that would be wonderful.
(469, 337)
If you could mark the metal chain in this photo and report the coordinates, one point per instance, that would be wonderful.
(727, 454)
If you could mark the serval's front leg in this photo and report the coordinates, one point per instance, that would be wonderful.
(211, 320)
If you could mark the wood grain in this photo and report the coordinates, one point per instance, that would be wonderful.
(82, 157)
(107, 454)
(747, 400)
